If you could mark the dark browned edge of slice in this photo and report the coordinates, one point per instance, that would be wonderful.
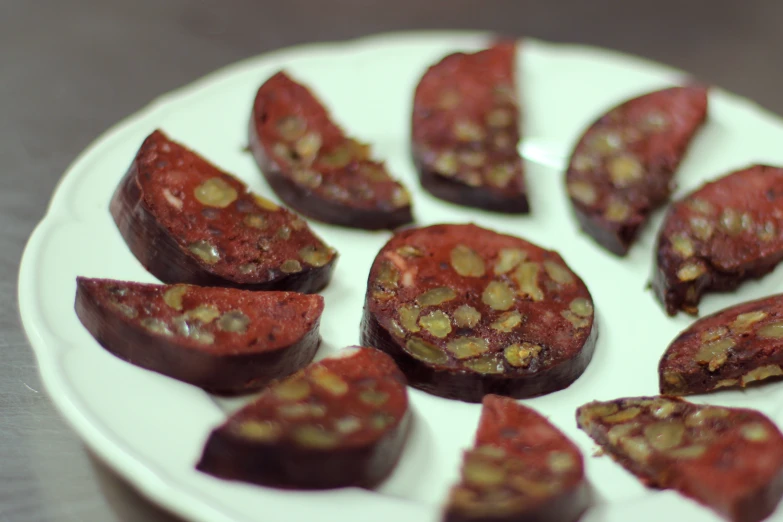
(311, 205)
(220, 374)
(675, 298)
(470, 386)
(158, 251)
(463, 195)
(763, 503)
(615, 239)
(286, 466)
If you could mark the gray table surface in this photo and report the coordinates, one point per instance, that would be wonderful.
(71, 68)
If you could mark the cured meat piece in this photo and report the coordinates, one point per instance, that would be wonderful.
(465, 131)
(315, 168)
(730, 460)
(224, 340)
(623, 166)
(718, 236)
(337, 423)
(466, 311)
(729, 349)
(522, 469)
(189, 222)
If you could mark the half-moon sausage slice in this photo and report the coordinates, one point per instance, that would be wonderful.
(465, 130)
(187, 221)
(466, 311)
(724, 233)
(623, 166)
(728, 459)
(522, 469)
(224, 340)
(729, 349)
(315, 168)
(339, 422)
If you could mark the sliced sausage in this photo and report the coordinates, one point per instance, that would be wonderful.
(724, 233)
(522, 468)
(189, 222)
(729, 349)
(315, 168)
(465, 130)
(623, 166)
(224, 340)
(728, 459)
(337, 423)
(466, 311)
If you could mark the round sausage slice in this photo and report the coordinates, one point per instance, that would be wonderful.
(522, 468)
(724, 233)
(623, 166)
(315, 168)
(339, 422)
(727, 459)
(465, 130)
(187, 221)
(729, 349)
(466, 311)
(224, 340)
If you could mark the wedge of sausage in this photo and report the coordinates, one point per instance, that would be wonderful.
(187, 221)
(466, 129)
(729, 349)
(730, 460)
(623, 166)
(522, 469)
(726, 232)
(466, 311)
(315, 168)
(337, 423)
(224, 340)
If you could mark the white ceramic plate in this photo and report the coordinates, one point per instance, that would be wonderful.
(151, 428)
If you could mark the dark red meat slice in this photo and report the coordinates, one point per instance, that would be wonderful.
(315, 168)
(466, 311)
(224, 340)
(189, 222)
(730, 460)
(729, 349)
(521, 469)
(337, 423)
(623, 166)
(466, 130)
(724, 233)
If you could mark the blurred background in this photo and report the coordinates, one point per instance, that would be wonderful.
(71, 68)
